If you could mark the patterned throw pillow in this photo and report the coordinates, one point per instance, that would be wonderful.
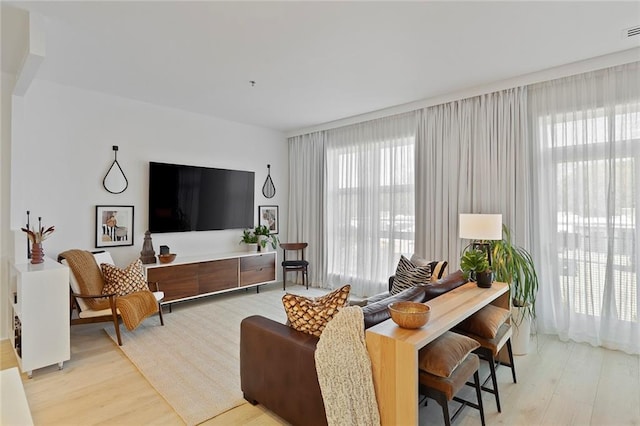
(123, 281)
(438, 267)
(409, 275)
(311, 315)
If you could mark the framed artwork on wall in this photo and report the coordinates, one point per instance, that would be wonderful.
(268, 216)
(114, 226)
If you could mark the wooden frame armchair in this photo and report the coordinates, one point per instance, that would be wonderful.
(87, 315)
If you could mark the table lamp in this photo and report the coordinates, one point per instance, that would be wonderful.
(481, 228)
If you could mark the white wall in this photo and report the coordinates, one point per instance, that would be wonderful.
(6, 246)
(65, 150)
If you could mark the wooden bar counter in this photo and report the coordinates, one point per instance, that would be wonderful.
(394, 350)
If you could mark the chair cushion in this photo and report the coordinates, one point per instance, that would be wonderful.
(443, 355)
(486, 322)
(311, 315)
(451, 385)
(123, 281)
(409, 275)
(295, 263)
(494, 345)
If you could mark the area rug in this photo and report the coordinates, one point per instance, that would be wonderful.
(194, 360)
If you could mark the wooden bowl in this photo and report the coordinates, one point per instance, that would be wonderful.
(409, 314)
(166, 258)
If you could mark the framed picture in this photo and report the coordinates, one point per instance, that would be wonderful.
(114, 226)
(268, 215)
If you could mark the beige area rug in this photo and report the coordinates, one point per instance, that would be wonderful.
(194, 360)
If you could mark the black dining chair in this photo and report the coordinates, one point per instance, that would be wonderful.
(296, 265)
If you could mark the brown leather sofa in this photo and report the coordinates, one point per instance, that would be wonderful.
(277, 365)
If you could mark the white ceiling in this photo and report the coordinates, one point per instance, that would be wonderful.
(313, 62)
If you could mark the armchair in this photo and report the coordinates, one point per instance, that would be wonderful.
(86, 282)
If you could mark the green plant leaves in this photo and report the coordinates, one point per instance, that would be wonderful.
(514, 265)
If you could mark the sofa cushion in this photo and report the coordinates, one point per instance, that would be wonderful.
(123, 281)
(486, 322)
(311, 315)
(409, 275)
(444, 285)
(377, 312)
(443, 355)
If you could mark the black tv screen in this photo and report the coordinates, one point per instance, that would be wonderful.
(191, 198)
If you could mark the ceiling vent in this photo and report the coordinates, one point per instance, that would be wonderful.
(630, 32)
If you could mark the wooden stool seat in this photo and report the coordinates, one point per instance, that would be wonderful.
(446, 365)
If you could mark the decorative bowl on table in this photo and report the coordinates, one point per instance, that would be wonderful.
(409, 314)
(167, 258)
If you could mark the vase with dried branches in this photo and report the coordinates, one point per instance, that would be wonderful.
(37, 236)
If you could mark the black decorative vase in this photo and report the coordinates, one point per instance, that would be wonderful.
(484, 279)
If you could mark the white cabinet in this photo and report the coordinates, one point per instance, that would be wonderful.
(39, 300)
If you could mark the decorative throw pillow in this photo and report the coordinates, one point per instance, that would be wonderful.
(311, 315)
(123, 281)
(444, 354)
(409, 275)
(486, 322)
(438, 267)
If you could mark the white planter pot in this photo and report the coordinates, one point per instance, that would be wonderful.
(521, 339)
(252, 247)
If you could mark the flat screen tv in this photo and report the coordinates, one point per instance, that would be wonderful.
(191, 198)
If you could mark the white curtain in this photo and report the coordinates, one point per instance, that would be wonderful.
(306, 202)
(586, 131)
(472, 156)
(369, 201)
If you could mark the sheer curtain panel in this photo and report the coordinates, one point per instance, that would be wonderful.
(472, 156)
(306, 201)
(586, 131)
(369, 201)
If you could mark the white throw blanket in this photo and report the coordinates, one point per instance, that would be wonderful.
(344, 371)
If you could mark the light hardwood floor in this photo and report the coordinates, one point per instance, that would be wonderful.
(558, 384)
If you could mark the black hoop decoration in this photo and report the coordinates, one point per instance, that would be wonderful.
(115, 180)
(268, 189)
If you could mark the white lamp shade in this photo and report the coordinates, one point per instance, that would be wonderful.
(481, 226)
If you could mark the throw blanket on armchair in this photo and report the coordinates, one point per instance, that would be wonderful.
(133, 307)
(344, 371)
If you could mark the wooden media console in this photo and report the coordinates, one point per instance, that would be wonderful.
(197, 276)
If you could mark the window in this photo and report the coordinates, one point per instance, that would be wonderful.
(370, 210)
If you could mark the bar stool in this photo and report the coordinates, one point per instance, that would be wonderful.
(489, 327)
(445, 366)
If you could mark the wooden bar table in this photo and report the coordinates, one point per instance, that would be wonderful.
(394, 350)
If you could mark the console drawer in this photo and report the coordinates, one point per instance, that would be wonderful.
(218, 275)
(176, 281)
(257, 269)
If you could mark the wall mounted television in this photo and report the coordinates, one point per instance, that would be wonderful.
(191, 198)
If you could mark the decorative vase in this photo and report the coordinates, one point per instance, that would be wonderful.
(484, 279)
(37, 255)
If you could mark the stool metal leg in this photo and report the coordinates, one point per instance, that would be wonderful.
(476, 379)
(513, 366)
(494, 380)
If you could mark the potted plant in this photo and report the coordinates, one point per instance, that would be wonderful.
(475, 266)
(514, 265)
(250, 239)
(265, 238)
